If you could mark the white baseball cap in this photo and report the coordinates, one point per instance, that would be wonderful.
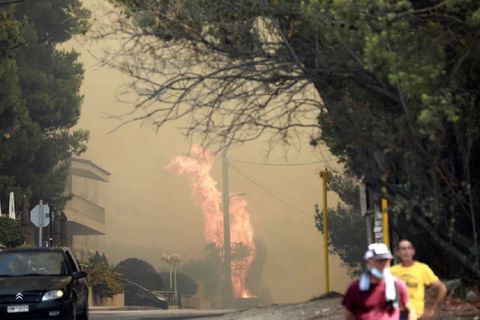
(377, 251)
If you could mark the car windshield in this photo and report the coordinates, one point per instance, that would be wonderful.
(14, 264)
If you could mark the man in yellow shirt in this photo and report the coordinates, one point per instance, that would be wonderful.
(417, 276)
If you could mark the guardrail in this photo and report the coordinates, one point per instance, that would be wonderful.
(180, 300)
(190, 301)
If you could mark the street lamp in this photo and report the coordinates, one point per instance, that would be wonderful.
(173, 261)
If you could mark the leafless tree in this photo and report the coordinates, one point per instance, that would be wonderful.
(224, 88)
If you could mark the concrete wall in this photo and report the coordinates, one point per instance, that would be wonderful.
(117, 300)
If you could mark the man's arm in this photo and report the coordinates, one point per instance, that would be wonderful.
(441, 292)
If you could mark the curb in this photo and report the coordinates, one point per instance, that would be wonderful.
(124, 308)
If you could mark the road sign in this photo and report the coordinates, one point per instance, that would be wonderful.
(36, 218)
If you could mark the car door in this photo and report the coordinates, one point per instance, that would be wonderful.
(79, 285)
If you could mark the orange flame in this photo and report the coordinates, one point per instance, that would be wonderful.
(241, 238)
(197, 169)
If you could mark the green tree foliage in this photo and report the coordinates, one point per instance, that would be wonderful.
(13, 111)
(40, 99)
(347, 231)
(398, 80)
(10, 234)
(140, 272)
(65, 19)
(104, 281)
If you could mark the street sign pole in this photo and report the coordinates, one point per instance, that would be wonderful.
(40, 227)
(50, 239)
(39, 219)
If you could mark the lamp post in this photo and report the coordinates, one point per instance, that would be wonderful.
(173, 261)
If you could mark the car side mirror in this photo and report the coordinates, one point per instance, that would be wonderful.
(79, 275)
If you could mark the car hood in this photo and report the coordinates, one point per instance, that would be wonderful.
(32, 283)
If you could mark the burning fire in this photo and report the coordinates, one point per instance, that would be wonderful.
(197, 169)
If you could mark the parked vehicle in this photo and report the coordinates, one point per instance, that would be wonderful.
(42, 283)
(136, 295)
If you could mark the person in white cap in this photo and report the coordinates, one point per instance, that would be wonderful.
(377, 295)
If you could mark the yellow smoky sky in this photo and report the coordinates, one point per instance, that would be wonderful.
(150, 211)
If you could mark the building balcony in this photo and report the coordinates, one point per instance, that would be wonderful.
(84, 217)
(87, 169)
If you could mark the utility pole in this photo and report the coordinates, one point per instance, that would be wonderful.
(364, 210)
(384, 206)
(40, 229)
(227, 294)
(323, 175)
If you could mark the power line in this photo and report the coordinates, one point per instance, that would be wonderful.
(274, 191)
(272, 194)
(282, 164)
(280, 194)
(326, 160)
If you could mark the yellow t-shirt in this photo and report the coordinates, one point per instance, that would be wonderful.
(416, 277)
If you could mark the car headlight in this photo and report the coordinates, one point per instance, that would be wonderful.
(52, 295)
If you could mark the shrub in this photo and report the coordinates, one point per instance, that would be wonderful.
(104, 281)
(10, 233)
(140, 272)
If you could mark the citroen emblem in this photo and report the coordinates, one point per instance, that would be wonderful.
(19, 296)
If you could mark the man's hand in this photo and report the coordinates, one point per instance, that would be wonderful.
(411, 315)
(427, 313)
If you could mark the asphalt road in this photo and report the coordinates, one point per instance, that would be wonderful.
(154, 314)
(324, 308)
